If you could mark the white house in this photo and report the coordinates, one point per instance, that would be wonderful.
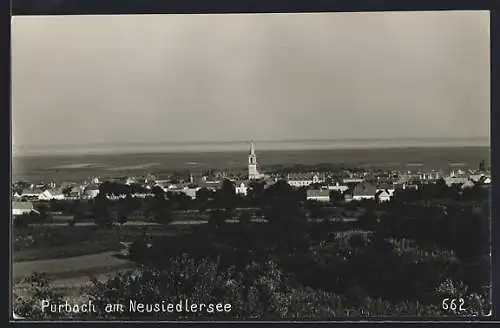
(304, 180)
(241, 189)
(20, 208)
(389, 188)
(338, 187)
(191, 191)
(321, 195)
(75, 192)
(29, 193)
(476, 177)
(430, 176)
(130, 180)
(353, 180)
(384, 196)
(210, 184)
(51, 194)
(142, 195)
(468, 184)
(453, 180)
(91, 191)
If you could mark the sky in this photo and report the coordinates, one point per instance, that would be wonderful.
(82, 80)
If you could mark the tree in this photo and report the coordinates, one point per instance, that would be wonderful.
(158, 193)
(122, 219)
(29, 305)
(282, 204)
(482, 166)
(217, 218)
(245, 218)
(225, 197)
(203, 195)
(67, 191)
(22, 221)
(368, 220)
(101, 212)
(256, 191)
(78, 211)
(336, 196)
(316, 210)
(139, 251)
(43, 213)
(161, 209)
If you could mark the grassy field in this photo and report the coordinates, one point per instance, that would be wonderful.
(75, 249)
(40, 242)
(72, 267)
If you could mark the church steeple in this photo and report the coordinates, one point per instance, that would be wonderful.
(252, 164)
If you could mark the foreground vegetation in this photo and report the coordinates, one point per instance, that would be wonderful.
(402, 258)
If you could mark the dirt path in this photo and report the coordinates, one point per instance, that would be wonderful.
(73, 267)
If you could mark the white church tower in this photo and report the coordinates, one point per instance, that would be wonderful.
(253, 174)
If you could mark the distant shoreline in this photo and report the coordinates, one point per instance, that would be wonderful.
(124, 152)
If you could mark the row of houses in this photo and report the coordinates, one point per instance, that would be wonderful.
(385, 191)
(361, 191)
(89, 191)
(363, 186)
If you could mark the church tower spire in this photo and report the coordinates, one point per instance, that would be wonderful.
(252, 164)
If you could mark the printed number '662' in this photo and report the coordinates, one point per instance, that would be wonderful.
(453, 304)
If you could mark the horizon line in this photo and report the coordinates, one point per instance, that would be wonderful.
(108, 152)
(229, 142)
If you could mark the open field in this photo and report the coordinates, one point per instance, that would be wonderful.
(75, 249)
(72, 267)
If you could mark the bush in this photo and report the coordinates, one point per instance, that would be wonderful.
(28, 296)
(139, 251)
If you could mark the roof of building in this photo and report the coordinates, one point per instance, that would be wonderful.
(383, 193)
(303, 176)
(22, 205)
(33, 191)
(364, 189)
(385, 186)
(91, 187)
(55, 191)
(318, 193)
(455, 180)
(468, 183)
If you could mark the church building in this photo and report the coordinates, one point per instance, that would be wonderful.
(253, 173)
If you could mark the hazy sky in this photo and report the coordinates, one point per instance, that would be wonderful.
(167, 78)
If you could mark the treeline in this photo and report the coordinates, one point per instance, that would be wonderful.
(308, 272)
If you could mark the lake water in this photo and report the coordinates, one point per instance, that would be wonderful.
(152, 159)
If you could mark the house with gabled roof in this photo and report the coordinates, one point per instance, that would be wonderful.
(91, 191)
(49, 194)
(383, 196)
(363, 191)
(20, 208)
(320, 195)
